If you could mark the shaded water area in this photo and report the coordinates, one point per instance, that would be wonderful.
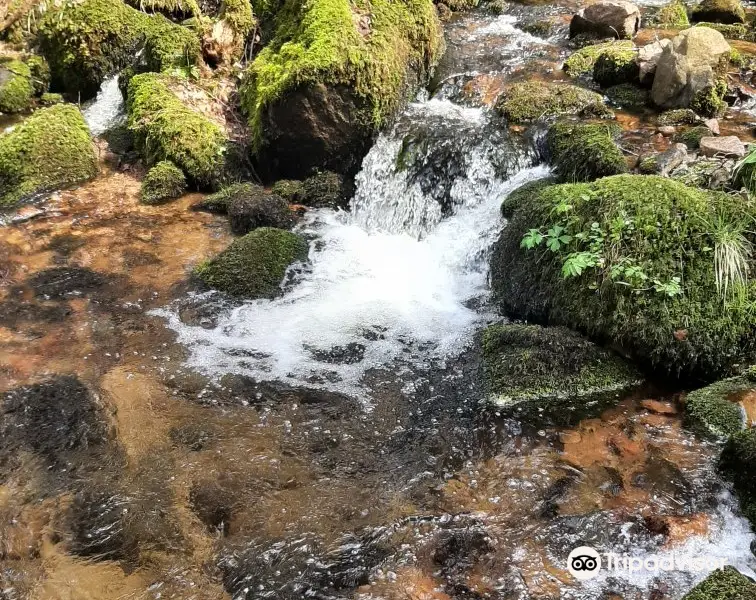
(335, 443)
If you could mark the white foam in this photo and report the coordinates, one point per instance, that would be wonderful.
(107, 110)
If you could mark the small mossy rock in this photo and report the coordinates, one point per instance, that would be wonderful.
(686, 70)
(163, 182)
(253, 266)
(166, 129)
(733, 31)
(680, 116)
(250, 207)
(532, 100)
(606, 19)
(49, 150)
(628, 96)
(709, 101)
(49, 98)
(713, 412)
(706, 173)
(332, 76)
(724, 584)
(692, 136)
(16, 88)
(719, 11)
(290, 190)
(584, 152)
(737, 463)
(120, 139)
(551, 373)
(219, 201)
(581, 61)
(325, 189)
(87, 41)
(672, 16)
(615, 66)
(651, 291)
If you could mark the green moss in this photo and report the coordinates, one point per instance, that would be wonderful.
(551, 374)
(290, 190)
(163, 182)
(582, 61)
(679, 116)
(724, 584)
(584, 152)
(325, 189)
(168, 7)
(220, 200)
(318, 42)
(461, 5)
(238, 14)
(736, 463)
(614, 66)
(522, 194)
(254, 265)
(48, 99)
(719, 11)
(628, 96)
(673, 16)
(16, 89)
(736, 31)
(709, 102)
(165, 129)
(543, 28)
(50, 150)
(691, 137)
(711, 411)
(40, 73)
(648, 164)
(632, 264)
(86, 42)
(528, 101)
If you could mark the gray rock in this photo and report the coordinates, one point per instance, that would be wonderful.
(728, 146)
(713, 125)
(607, 18)
(686, 66)
(670, 159)
(666, 130)
(648, 59)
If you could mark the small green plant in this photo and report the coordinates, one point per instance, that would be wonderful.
(745, 171)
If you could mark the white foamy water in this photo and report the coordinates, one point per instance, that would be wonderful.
(107, 110)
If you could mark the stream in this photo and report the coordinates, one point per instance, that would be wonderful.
(334, 443)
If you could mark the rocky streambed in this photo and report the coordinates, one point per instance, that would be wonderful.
(350, 413)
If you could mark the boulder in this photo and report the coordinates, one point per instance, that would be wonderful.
(254, 265)
(728, 12)
(331, 78)
(50, 150)
(584, 152)
(527, 101)
(606, 18)
(653, 290)
(648, 58)
(163, 182)
(685, 73)
(728, 146)
(248, 211)
(551, 374)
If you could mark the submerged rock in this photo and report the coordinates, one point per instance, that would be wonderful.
(653, 291)
(253, 266)
(50, 150)
(528, 101)
(163, 182)
(552, 373)
(584, 152)
(607, 18)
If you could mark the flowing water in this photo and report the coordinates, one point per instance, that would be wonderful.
(334, 443)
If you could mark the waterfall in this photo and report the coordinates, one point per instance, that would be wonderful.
(107, 110)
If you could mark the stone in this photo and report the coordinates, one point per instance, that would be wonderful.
(719, 11)
(607, 18)
(686, 67)
(713, 125)
(666, 130)
(728, 146)
(648, 58)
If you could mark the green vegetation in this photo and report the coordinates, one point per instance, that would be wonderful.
(691, 137)
(633, 259)
(324, 189)
(50, 150)
(165, 129)
(163, 182)
(16, 91)
(615, 65)
(673, 16)
(735, 31)
(168, 7)
(678, 116)
(737, 462)
(581, 62)
(522, 194)
(551, 373)
(628, 96)
(253, 266)
(724, 584)
(711, 413)
(290, 190)
(86, 42)
(48, 99)
(584, 152)
(745, 172)
(318, 42)
(238, 14)
(40, 73)
(709, 102)
(528, 101)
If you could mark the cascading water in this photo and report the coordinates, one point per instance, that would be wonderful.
(107, 110)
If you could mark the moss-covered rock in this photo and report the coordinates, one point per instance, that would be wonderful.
(628, 96)
(325, 189)
(705, 173)
(737, 463)
(691, 137)
(40, 73)
(50, 150)
(615, 66)
(290, 190)
(678, 116)
(733, 31)
(163, 182)
(551, 373)
(16, 89)
(584, 152)
(249, 210)
(86, 42)
(166, 129)
(49, 98)
(528, 101)
(672, 16)
(724, 584)
(719, 11)
(522, 193)
(709, 102)
(582, 61)
(628, 259)
(172, 8)
(713, 411)
(333, 74)
(253, 266)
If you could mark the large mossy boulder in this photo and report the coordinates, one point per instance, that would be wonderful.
(632, 259)
(714, 412)
(551, 373)
(167, 129)
(719, 11)
(254, 266)
(332, 76)
(528, 101)
(724, 584)
(49, 150)
(88, 41)
(584, 151)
